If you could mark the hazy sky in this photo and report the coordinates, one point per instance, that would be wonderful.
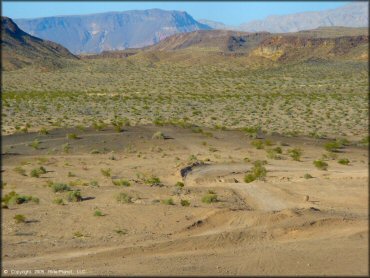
(232, 13)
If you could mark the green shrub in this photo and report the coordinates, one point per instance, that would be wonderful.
(119, 123)
(209, 198)
(319, 164)
(258, 171)
(94, 183)
(168, 201)
(249, 178)
(153, 181)
(35, 173)
(43, 131)
(121, 232)
(269, 142)
(278, 150)
(295, 154)
(179, 184)
(343, 161)
(58, 201)
(121, 182)
(20, 218)
(272, 154)
(106, 172)
(66, 147)
(158, 135)
(365, 141)
(14, 198)
(123, 198)
(307, 176)
(98, 213)
(72, 136)
(35, 144)
(74, 196)
(185, 203)
(251, 131)
(20, 171)
(333, 146)
(99, 125)
(60, 187)
(78, 234)
(258, 144)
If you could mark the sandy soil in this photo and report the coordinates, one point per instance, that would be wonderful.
(259, 228)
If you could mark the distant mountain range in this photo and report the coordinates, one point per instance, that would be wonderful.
(96, 33)
(19, 48)
(351, 15)
(111, 31)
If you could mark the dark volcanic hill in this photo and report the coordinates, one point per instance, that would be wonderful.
(111, 31)
(20, 49)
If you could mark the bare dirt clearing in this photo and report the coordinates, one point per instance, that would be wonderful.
(286, 224)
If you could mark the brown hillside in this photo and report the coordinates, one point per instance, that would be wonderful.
(20, 49)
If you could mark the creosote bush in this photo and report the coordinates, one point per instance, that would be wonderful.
(185, 203)
(124, 198)
(209, 198)
(121, 182)
(258, 172)
(320, 164)
(295, 154)
(106, 172)
(158, 135)
(20, 218)
(59, 187)
(74, 196)
(153, 181)
(168, 202)
(343, 161)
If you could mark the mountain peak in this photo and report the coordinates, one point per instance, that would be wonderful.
(95, 33)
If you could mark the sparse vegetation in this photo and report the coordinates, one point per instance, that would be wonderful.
(210, 197)
(121, 182)
(180, 184)
(258, 172)
(185, 203)
(106, 172)
(124, 198)
(20, 218)
(168, 201)
(295, 154)
(14, 198)
(60, 187)
(35, 173)
(333, 146)
(98, 213)
(320, 164)
(153, 181)
(72, 136)
(74, 196)
(158, 135)
(343, 161)
(58, 201)
(20, 171)
(35, 144)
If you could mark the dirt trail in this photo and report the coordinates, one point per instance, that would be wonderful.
(261, 194)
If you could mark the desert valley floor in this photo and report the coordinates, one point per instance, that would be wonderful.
(144, 213)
